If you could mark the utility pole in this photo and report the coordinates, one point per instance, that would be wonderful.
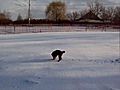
(29, 14)
(119, 47)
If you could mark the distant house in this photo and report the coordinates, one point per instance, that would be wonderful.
(90, 17)
(4, 20)
(2, 16)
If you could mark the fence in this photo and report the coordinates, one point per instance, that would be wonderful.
(13, 29)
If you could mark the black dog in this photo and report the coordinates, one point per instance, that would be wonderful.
(58, 53)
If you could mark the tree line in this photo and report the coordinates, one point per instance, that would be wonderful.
(56, 12)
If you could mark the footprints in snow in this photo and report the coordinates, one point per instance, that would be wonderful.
(98, 61)
(32, 81)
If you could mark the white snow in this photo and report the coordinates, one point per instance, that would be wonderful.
(88, 64)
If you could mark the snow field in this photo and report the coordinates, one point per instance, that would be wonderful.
(25, 61)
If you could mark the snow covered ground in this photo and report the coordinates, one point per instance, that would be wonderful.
(88, 64)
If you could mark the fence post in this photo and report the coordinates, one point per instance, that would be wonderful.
(14, 28)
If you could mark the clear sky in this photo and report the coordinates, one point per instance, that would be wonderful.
(38, 6)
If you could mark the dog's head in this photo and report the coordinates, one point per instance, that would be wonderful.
(63, 51)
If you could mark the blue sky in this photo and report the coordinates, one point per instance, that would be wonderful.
(38, 6)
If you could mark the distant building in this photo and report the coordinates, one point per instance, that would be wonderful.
(90, 17)
(4, 20)
(2, 16)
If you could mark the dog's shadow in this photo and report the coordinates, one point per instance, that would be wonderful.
(37, 60)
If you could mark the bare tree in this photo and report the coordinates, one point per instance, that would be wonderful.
(56, 11)
(108, 13)
(104, 15)
(117, 14)
(95, 6)
(73, 16)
